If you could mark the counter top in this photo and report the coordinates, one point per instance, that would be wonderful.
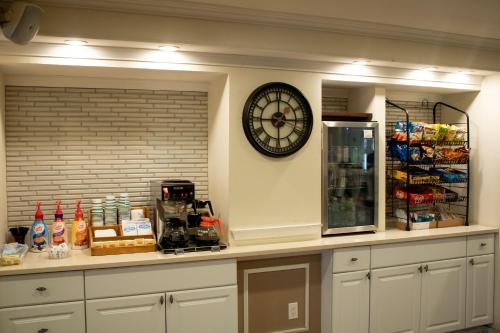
(82, 260)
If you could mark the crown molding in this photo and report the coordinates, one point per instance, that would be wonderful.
(189, 9)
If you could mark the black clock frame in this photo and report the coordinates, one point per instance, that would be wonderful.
(252, 101)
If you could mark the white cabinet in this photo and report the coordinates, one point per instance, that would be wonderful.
(210, 310)
(429, 297)
(395, 299)
(132, 314)
(480, 282)
(351, 295)
(31, 289)
(443, 296)
(48, 318)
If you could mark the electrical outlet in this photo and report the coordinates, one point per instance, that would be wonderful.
(293, 310)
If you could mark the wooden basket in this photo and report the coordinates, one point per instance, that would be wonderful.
(116, 248)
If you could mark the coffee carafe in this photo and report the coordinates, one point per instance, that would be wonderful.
(175, 234)
(204, 208)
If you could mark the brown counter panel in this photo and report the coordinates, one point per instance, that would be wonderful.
(274, 283)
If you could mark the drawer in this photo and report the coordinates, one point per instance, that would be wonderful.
(32, 289)
(417, 252)
(50, 318)
(480, 244)
(351, 259)
(113, 282)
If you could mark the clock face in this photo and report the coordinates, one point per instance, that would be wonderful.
(277, 119)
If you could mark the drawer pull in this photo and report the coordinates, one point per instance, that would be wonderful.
(483, 244)
(426, 268)
(354, 259)
(162, 300)
(41, 289)
(43, 330)
(420, 269)
(472, 261)
(369, 275)
(171, 299)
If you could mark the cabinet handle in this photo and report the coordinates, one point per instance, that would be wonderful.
(420, 269)
(472, 261)
(369, 275)
(354, 259)
(43, 330)
(41, 289)
(162, 300)
(426, 268)
(171, 299)
(483, 244)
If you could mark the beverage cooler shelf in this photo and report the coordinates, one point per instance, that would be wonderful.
(349, 184)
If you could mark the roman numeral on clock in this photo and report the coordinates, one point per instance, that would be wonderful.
(268, 99)
(267, 139)
(259, 131)
(297, 131)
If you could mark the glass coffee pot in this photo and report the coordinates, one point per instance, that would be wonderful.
(175, 234)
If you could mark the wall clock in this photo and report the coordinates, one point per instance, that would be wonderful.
(277, 119)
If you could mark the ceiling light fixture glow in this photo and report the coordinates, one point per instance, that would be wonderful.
(429, 69)
(169, 48)
(75, 42)
(360, 62)
(464, 72)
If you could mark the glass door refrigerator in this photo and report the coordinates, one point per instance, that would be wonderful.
(350, 174)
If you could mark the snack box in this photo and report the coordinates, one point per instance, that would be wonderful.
(417, 176)
(418, 195)
(449, 175)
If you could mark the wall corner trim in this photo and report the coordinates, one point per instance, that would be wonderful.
(279, 231)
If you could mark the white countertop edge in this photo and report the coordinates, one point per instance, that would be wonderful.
(82, 260)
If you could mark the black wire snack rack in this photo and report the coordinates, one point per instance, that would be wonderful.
(428, 176)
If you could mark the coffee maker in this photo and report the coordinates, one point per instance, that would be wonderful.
(169, 204)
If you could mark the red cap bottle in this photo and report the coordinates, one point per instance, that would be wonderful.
(79, 212)
(39, 213)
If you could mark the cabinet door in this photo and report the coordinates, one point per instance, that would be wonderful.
(50, 318)
(144, 313)
(443, 296)
(480, 281)
(395, 299)
(351, 296)
(210, 310)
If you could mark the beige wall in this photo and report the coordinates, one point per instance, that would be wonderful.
(274, 192)
(3, 185)
(218, 148)
(484, 112)
(274, 283)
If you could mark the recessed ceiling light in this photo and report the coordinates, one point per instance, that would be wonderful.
(429, 69)
(360, 62)
(75, 42)
(169, 48)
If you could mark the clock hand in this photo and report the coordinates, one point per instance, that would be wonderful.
(291, 124)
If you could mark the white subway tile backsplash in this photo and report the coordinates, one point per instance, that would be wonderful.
(84, 143)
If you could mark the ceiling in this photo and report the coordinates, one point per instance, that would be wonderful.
(477, 18)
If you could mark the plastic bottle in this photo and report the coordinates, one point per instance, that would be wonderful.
(39, 233)
(59, 231)
(79, 230)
